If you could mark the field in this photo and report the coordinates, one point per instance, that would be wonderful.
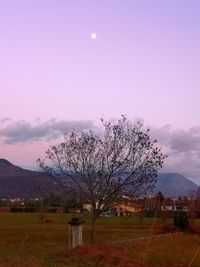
(25, 241)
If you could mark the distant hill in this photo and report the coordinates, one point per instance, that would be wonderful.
(16, 182)
(174, 184)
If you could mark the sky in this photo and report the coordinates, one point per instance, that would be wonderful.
(144, 64)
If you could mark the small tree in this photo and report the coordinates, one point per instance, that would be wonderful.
(102, 169)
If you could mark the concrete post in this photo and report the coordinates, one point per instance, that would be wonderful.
(75, 232)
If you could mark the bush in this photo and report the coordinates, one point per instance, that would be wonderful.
(181, 220)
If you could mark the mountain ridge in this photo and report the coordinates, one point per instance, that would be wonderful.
(18, 182)
(175, 184)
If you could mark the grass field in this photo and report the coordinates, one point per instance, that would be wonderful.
(24, 241)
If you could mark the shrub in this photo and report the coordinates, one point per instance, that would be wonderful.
(181, 220)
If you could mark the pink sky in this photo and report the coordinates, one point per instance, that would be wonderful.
(144, 63)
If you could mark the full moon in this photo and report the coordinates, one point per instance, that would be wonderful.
(93, 36)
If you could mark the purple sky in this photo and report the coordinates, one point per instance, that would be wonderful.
(144, 63)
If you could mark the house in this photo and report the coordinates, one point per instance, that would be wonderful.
(126, 209)
(171, 204)
(118, 209)
(87, 207)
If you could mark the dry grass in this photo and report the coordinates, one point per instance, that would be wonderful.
(174, 250)
(24, 241)
(104, 255)
(19, 262)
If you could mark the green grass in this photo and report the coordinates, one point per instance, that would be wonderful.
(24, 241)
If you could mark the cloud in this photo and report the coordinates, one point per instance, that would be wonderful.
(183, 149)
(5, 120)
(25, 132)
(181, 146)
(184, 141)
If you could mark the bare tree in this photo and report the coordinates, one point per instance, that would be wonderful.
(102, 169)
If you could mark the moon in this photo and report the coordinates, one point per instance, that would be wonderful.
(93, 36)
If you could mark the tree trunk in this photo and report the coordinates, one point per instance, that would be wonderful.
(93, 224)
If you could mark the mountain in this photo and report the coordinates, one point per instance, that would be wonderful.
(174, 184)
(16, 182)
